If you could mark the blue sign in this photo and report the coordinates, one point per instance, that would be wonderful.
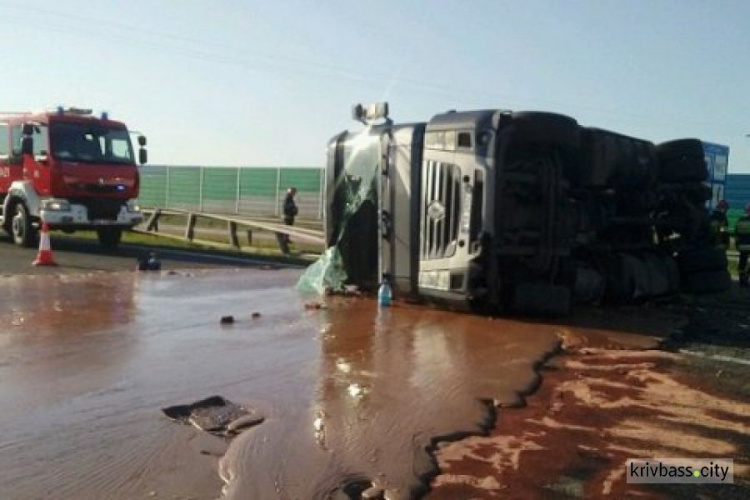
(717, 161)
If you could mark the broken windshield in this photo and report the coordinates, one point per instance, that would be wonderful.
(84, 142)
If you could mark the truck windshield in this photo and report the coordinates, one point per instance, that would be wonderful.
(83, 142)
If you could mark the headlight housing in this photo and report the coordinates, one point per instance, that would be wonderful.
(56, 205)
(132, 206)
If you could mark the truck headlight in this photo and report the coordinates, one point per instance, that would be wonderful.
(56, 205)
(132, 207)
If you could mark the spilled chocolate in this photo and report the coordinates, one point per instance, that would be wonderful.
(353, 397)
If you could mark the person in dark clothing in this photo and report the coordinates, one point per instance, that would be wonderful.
(742, 242)
(720, 224)
(290, 212)
(290, 207)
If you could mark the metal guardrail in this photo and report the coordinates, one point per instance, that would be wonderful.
(247, 191)
(233, 224)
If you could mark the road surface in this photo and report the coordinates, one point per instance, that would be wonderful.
(79, 255)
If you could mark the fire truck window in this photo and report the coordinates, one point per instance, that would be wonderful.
(15, 144)
(41, 146)
(4, 141)
(121, 150)
(89, 147)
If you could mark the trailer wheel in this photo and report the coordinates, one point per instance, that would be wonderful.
(702, 259)
(109, 237)
(679, 149)
(658, 274)
(22, 230)
(547, 128)
(673, 273)
(541, 300)
(683, 169)
(707, 282)
(620, 280)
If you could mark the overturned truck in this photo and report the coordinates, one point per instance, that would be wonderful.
(527, 212)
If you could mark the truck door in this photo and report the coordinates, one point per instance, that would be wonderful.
(5, 150)
(36, 167)
(399, 200)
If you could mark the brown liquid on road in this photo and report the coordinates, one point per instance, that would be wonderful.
(353, 396)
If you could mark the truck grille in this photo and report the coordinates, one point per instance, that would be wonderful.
(441, 194)
(101, 208)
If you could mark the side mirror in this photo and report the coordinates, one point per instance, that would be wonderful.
(141, 140)
(142, 156)
(27, 145)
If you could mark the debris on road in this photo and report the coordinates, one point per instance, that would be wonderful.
(215, 415)
(226, 320)
(314, 305)
(238, 425)
(149, 262)
(255, 315)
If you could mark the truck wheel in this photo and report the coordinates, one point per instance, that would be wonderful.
(679, 149)
(547, 128)
(682, 160)
(658, 274)
(673, 273)
(22, 230)
(703, 259)
(707, 282)
(683, 170)
(620, 280)
(541, 299)
(109, 237)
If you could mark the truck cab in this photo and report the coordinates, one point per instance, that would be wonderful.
(495, 210)
(71, 170)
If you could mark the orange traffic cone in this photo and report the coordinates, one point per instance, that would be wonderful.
(44, 257)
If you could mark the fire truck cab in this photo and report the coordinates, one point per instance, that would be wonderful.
(69, 169)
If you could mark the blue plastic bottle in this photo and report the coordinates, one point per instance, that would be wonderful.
(385, 296)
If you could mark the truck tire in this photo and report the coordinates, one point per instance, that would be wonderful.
(547, 128)
(658, 274)
(683, 170)
(109, 237)
(641, 276)
(680, 149)
(707, 282)
(673, 273)
(23, 232)
(620, 280)
(702, 259)
(541, 300)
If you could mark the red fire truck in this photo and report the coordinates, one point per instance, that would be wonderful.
(70, 169)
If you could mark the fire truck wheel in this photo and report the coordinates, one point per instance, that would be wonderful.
(547, 128)
(22, 230)
(109, 237)
(707, 282)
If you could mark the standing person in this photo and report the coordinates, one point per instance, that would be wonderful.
(720, 224)
(290, 208)
(742, 242)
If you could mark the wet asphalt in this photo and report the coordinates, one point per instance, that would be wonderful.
(74, 255)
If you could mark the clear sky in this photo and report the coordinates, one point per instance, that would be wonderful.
(245, 82)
